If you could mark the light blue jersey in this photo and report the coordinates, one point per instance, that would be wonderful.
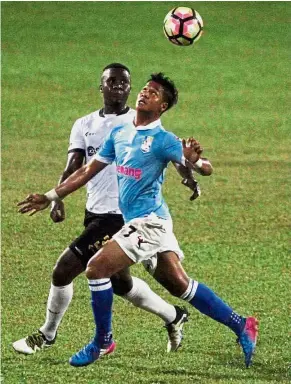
(141, 155)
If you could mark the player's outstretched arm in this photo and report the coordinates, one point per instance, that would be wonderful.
(37, 202)
(79, 178)
(75, 161)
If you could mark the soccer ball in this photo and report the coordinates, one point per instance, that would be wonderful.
(183, 26)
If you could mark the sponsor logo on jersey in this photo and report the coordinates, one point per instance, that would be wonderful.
(134, 173)
(146, 144)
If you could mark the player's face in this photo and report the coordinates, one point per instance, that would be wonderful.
(151, 98)
(115, 85)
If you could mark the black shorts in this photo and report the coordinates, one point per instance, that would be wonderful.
(98, 229)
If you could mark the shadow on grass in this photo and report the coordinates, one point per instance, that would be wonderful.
(234, 367)
(278, 371)
(30, 360)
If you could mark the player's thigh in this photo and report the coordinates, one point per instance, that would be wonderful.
(108, 261)
(68, 266)
(99, 229)
(170, 273)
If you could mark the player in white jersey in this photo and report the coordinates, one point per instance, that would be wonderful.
(142, 150)
(102, 220)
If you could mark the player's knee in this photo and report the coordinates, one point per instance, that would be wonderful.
(97, 268)
(60, 276)
(175, 285)
(175, 291)
(92, 273)
(67, 268)
(121, 286)
(180, 286)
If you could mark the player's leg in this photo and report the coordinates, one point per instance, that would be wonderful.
(108, 261)
(60, 295)
(67, 268)
(138, 292)
(175, 327)
(170, 273)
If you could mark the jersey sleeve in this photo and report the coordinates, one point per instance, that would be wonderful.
(106, 153)
(76, 138)
(172, 149)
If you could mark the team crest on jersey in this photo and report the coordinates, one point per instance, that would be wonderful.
(146, 144)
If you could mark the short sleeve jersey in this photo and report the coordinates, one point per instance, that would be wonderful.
(87, 135)
(142, 155)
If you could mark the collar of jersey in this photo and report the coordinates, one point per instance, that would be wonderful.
(151, 125)
(101, 112)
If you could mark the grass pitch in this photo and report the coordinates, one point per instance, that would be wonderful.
(234, 98)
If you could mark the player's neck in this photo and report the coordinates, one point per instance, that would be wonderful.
(113, 108)
(145, 118)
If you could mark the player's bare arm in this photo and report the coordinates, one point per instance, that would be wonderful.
(205, 169)
(37, 202)
(192, 151)
(202, 166)
(75, 161)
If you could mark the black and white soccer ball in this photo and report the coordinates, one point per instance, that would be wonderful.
(183, 26)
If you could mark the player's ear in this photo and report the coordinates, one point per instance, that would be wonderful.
(164, 106)
(101, 88)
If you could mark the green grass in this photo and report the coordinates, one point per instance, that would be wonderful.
(235, 98)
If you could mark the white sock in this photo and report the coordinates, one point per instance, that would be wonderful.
(143, 297)
(58, 302)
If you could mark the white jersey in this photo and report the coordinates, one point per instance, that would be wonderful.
(87, 135)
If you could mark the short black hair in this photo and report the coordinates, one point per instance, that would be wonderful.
(116, 65)
(170, 90)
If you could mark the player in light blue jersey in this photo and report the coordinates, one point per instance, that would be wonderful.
(142, 150)
(141, 154)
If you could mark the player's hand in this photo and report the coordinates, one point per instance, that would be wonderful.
(33, 203)
(57, 213)
(194, 186)
(192, 149)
